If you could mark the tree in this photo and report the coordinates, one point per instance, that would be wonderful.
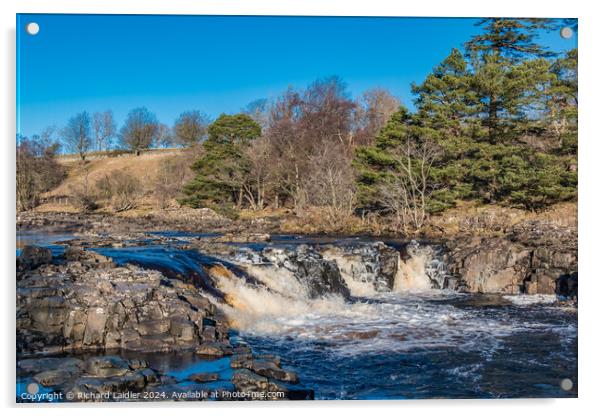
(37, 170)
(259, 111)
(77, 134)
(562, 103)
(509, 38)
(165, 136)
(372, 112)
(509, 66)
(140, 130)
(445, 99)
(395, 175)
(223, 169)
(191, 128)
(300, 125)
(104, 129)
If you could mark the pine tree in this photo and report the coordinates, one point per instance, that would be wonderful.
(223, 168)
(509, 67)
(445, 100)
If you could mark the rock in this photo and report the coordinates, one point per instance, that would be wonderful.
(272, 370)
(51, 378)
(530, 259)
(86, 305)
(203, 377)
(242, 238)
(246, 380)
(214, 349)
(566, 286)
(106, 366)
(374, 263)
(34, 256)
(37, 365)
(321, 277)
(87, 257)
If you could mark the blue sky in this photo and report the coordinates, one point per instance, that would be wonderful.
(217, 63)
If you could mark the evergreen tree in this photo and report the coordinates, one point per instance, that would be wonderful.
(445, 99)
(509, 69)
(223, 168)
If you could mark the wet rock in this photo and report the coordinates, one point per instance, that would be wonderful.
(203, 377)
(530, 259)
(214, 349)
(491, 266)
(34, 256)
(321, 277)
(51, 378)
(373, 263)
(272, 370)
(106, 366)
(37, 365)
(87, 305)
(566, 286)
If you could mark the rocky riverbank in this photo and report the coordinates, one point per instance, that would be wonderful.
(82, 303)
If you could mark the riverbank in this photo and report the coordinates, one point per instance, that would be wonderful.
(79, 314)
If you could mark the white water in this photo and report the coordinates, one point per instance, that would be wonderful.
(412, 316)
(530, 299)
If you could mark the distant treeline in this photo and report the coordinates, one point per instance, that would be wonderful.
(495, 122)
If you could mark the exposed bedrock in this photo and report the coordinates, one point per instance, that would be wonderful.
(86, 303)
(372, 263)
(532, 260)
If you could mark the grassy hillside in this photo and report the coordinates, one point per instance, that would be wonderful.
(148, 169)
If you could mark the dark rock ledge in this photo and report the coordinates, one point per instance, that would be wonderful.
(84, 304)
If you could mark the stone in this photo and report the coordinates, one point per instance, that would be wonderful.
(203, 377)
(34, 256)
(214, 349)
(106, 366)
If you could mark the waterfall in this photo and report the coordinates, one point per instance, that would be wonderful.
(279, 296)
(421, 270)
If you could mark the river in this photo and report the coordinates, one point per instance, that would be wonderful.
(411, 343)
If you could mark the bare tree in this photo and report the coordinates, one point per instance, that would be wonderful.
(140, 130)
(165, 137)
(37, 170)
(77, 134)
(256, 185)
(191, 128)
(259, 111)
(104, 129)
(373, 110)
(406, 192)
(331, 184)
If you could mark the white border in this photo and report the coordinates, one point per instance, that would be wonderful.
(589, 177)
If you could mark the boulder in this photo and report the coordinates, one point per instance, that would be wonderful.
(34, 256)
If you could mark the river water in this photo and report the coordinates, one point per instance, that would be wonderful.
(407, 344)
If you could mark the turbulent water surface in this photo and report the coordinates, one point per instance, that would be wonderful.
(411, 343)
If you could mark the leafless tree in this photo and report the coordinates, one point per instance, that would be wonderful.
(406, 192)
(140, 130)
(256, 185)
(104, 129)
(191, 128)
(331, 184)
(37, 170)
(77, 134)
(300, 124)
(372, 112)
(259, 111)
(172, 173)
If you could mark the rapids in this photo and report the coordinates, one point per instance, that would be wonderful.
(413, 340)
